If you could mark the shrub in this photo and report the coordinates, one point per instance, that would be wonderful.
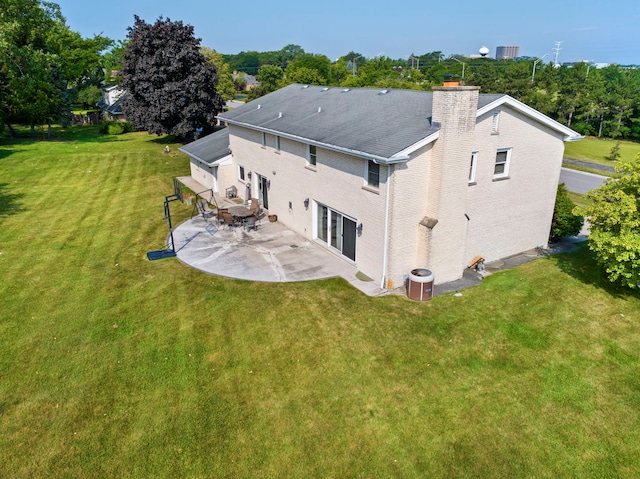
(115, 127)
(565, 222)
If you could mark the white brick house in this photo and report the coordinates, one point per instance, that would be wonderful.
(392, 180)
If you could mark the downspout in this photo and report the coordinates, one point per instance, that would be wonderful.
(386, 228)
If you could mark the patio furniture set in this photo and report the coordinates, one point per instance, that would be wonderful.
(241, 215)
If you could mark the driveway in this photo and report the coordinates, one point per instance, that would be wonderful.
(580, 181)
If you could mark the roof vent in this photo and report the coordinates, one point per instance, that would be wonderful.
(325, 88)
(319, 109)
(346, 90)
(383, 92)
(279, 114)
(305, 86)
(259, 106)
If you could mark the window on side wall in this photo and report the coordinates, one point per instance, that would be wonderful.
(263, 140)
(311, 155)
(372, 175)
(277, 143)
(472, 168)
(501, 167)
(241, 172)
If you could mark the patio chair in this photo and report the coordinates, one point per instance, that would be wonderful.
(255, 205)
(220, 211)
(227, 219)
(250, 222)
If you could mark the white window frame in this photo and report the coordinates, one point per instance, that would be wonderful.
(367, 179)
(312, 156)
(495, 123)
(473, 167)
(507, 163)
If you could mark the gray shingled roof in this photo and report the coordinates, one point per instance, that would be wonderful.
(368, 121)
(210, 148)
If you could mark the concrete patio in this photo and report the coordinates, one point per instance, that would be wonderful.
(271, 253)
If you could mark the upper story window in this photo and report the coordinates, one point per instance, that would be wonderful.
(372, 174)
(264, 139)
(277, 143)
(311, 155)
(241, 172)
(501, 167)
(472, 167)
(495, 123)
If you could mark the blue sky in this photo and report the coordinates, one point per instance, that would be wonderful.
(607, 32)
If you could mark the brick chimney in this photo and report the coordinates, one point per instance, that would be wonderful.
(455, 108)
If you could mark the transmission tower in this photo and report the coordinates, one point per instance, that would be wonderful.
(557, 50)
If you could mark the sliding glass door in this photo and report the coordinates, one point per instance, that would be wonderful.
(337, 230)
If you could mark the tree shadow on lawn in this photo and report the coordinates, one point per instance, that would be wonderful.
(9, 202)
(582, 265)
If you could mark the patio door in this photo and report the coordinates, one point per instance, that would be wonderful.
(337, 230)
(262, 192)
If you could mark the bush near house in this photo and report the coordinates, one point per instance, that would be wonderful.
(565, 223)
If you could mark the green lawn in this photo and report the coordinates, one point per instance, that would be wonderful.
(595, 150)
(114, 366)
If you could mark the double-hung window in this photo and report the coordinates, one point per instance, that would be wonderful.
(277, 143)
(372, 174)
(311, 155)
(501, 167)
(241, 172)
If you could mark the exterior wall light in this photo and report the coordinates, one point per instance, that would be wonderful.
(359, 229)
(306, 204)
(249, 175)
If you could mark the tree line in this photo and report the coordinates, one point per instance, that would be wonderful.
(45, 68)
(602, 102)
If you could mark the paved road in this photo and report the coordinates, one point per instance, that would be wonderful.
(580, 181)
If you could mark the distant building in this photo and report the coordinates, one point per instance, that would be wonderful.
(507, 53)
(250, 80)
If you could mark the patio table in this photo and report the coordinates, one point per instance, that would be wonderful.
(240, 211)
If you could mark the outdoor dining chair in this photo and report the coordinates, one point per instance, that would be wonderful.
(250, 222)
(227, 219)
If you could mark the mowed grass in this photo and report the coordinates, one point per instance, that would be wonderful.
(114, 366)
(596, 149)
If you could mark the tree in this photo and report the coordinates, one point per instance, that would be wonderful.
(40, 58)
(565, 222)
(614, 215)
(614, 154)
(226, 88)
(269, 77)
(171, 86)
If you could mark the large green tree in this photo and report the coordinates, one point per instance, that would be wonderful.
(40, 58)
(614, 216)
(171, 86)
(226, 88)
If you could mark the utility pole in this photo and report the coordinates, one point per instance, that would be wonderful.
(557, 50)
(533, 71)
(463, 65)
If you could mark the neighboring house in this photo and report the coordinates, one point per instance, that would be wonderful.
(111, 103)
(250, 80)
(392, 180)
